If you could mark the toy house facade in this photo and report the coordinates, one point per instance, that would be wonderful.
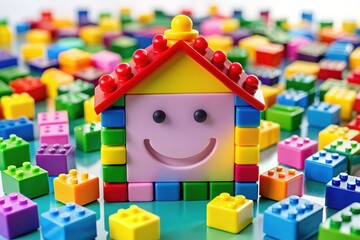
(179, 121)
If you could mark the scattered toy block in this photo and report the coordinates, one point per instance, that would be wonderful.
(32, 50)
(91, 34)
(18, 105)
(54, 133)
(267, 75)
(105, 60)
(38, 65)
(355, 124)
(13, 151)
(30, 85)
(50, 118)
(339, 51)
(354, 77)
(38, 36)
(270, 54)
(269, 134)
(270, 94)
(308, 68)
(89, 113)
(7, 59)
(21, 127)
(53, 78)
(354, 59)
(124, 46)
(312, 52)
(239, 55)
(88, 136)
(76, 87)
(331, 69)
(291, 97)
(288, 117)
(293, 45)
(333, 132)
(74, 60)
(323, 114)
(344, 97)
(73, 103)
(90, 75)
(251, 43)
(9, 74)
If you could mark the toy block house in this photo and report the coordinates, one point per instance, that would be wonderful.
(179, 121)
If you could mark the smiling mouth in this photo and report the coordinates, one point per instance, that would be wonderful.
(181, 162)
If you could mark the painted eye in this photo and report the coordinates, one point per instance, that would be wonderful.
(200, 115)
(159, 116)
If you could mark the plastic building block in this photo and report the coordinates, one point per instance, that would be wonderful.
(89, 112)
(68, 222)
(333, 132)
(18, 215)
(7, 59)
(55, 158)
(78, 187)
(50, 118)
(267, 75)
(53, 78)
(331, 69)
(105, 60)
(31, 85)
(115, 192)
(328, 84)
(38, 65)
(140, 192)
(339, 51)
(354, 59)
(108, 37)
(55, 133)
(342, 191)
(239, 55)
(5, 90)
(294, 45)
(227, 213)
(354, 77)
(342, 225)
(91, 35)
(24, 179)
(220, 42)
(355, 124)
(323, 114)
(167, 191)
(71, 42)
(247, 154)
(269, 134)
(247, 136)
(73, 103)
(288, 117)
(114, 173)
(292, 97)
(270, 54)
(247, 117)
(251, 43)
(281, 182)
(323, 166)
(195, 191)
(113, 117)
(13, 151)
(215, 188)
(124, 46)
(11, 73)
(90, 75)
(18, 105)
(33, 50)
(38, 36)
(294, 150)
(112, 155)
(298, 218)
(270, 94)
(312, 52)
(246, 173)
(54, 50)
(88, 136)
(22, 127)
(134, 223)
(75, 87)
(74, 60)
(249, 189)
(308, 68)
(300, 81)
(113, 136)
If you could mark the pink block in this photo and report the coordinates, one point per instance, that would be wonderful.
(293, 45)
(140, 192)
(211, 27)
(56, 133)
(48, 118)
(105, 60)
(180, 148)
(294, 150)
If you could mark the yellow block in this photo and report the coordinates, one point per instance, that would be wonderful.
(219, 42)
(146, 18)
(134, 223)
(75, 58)
(270, 93)
(344, 97)
(309, 68)
(333, 132)
(32, 50)
(246, 136)
(108, 24)
(38, 36)
(230, 25)
(5, 35)
(251, 43)
(269, 134)
(18, 105)
(53, 78)
(349, 26)
(247, 154)
(113, 155)
(230, 214)
(63, 23)
(89, 112)
(355, 59)
(92, 35)
(180, 74)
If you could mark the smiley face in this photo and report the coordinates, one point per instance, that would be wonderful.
(180, 137)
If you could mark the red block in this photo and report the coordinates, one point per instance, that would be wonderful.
(31, 85)
(115, 192)
(354, 76)
(270, 54)
(246, 173)
(355, 124)
(357, 103)
(331, 69)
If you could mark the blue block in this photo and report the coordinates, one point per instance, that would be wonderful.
(247, 117)
(292, 218)
(143, 39)
(239, 102)
(249, 189)
(167, 191)
(68, 222)
(339, 51)
(342, 191)
(22, 27)
(323, 114)
(302, 33)
(22, 127)
(323, 166)
(7, 59)
(113, 117)
(293, 97)
(54, 50)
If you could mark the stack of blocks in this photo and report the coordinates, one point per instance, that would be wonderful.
(53, 127)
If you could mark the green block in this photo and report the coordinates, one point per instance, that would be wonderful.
(125, 46)
(113, 136)
(302, 82)
(288, 117)
(239, 55)
(94, 48)
(73, 103)
(5, 90)
(104, 15)
(71, 42)
(219, 187)
(281, 22)
(77, 86)
(325, 23)
(263, 114)
(12, 73)
(119, 103)
(342, 225)
(114, 173)
(328, 84)
(195, 191)
(31, 181)
(13, 151)
(88, 137)
(125, 19)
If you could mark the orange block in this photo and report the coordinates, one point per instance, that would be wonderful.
(329, 35)
(280, 182)
(80, 188)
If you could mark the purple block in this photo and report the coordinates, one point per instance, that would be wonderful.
(56, 158)
(239, 34)
(7, 59)
(105, 60)
(90, 75)
(312, 52)
(293, 45)
(39, 65)
(68, 32)
(267, 75)
(108, 37)
(18, 215)
(56, 133)
(49, 118)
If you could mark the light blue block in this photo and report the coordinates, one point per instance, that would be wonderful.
(249, 189)
(21, 127)
(247, 117)
(293, 97)
(167, 191)
(113, 117)
(239, 102)
(323, 114)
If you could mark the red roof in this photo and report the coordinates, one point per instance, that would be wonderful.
(127, 75)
